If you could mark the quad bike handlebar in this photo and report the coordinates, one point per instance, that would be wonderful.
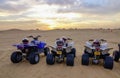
(34, 37)
(69, 39)
(91, 40)
(66, 39)
(101, 40)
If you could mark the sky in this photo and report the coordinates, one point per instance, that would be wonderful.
(59, 14)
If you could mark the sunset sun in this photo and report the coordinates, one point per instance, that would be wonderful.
(51, 23)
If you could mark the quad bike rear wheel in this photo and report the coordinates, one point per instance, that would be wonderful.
(33, 58)
(70, 60)
(108, 62)
(50, 59)
(85, 59)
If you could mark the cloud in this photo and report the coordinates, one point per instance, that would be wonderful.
(59, 2)
(22, 25)
(17, 6)
(87, 6)
(59, 11)
(101, 6)
(66, 6)
(15, 17)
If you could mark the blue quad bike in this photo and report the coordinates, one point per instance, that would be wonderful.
(60, 52)
(97, 50)
(29, 51)
(116, 54)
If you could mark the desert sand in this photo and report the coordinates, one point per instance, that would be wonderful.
(42, 70)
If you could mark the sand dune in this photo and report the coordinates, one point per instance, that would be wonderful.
(42, 70)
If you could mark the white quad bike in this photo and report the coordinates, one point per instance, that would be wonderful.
(60, 51)
(97, 49)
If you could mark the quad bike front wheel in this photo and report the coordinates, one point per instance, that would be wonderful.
(70, 60)
(108, 62)
(33, 58)
(16, 57)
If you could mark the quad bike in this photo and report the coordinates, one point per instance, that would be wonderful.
(29, 52)
(97, 49)
(116, 54)
(60, 51)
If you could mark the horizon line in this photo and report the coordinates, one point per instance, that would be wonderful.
(17, 29)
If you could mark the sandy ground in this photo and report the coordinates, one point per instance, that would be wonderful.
(42, 70)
